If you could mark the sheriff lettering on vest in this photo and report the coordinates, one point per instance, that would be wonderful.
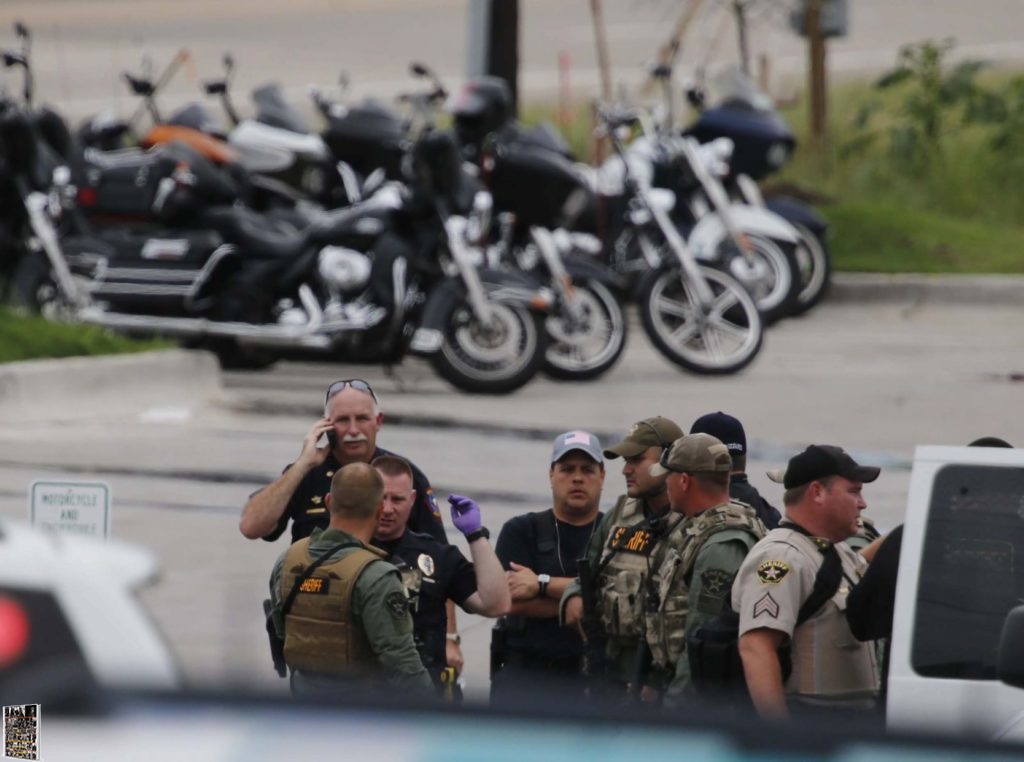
(340, 608)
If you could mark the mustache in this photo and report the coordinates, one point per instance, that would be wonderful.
(354, 438)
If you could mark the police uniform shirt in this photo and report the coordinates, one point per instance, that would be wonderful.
(775, 579)
(443, 574)
(307, 508)
(518, 542)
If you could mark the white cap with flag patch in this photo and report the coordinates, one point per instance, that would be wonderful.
(583, 441)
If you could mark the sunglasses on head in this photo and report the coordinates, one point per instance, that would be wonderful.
(356, 383)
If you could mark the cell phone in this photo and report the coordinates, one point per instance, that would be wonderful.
(332, 439)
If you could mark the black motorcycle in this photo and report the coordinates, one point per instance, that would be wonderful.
(371, 283)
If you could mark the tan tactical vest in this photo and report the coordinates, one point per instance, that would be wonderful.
(666, 626)
(829, 663)
(621, 583)
(320, 635)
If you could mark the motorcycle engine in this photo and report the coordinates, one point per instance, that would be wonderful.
(344, 270)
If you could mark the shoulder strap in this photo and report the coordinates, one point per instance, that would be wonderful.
(287, 605)
(826, 581)
(544, 530)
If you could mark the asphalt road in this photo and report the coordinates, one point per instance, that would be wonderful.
(877, 377)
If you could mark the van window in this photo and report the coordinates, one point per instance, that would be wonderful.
(972, 572)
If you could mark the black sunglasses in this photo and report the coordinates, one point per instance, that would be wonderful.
(356, 383)
(663, 461)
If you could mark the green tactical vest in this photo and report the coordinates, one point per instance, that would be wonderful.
(673, 569)
(628, 550)
(320, 635)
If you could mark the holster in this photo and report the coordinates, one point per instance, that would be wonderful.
(499, 646)
(276, 642)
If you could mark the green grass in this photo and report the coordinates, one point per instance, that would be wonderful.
(26, 337)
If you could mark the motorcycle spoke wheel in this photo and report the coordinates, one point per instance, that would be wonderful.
(496, 358)
(587, 347)
(721, 338)
(815, 265)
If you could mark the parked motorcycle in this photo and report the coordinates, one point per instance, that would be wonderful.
(372, 283)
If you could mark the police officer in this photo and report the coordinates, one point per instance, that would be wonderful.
(729, 431)
(621, 550)
(701, 554)
(352, 419)
(338, 605)
(830, 668)
(435, 572)
(531, 655)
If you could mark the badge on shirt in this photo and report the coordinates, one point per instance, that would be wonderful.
(398, 604)
(426, 564)
(772, 572)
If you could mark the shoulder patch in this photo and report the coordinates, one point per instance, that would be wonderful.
(772, 572)
(435, 511)
(398, 604)
(716, 582)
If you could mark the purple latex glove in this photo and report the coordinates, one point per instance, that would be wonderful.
(465, 514)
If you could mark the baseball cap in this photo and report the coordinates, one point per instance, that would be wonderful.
(583, 441)
(819, 461)
(650, 432)
(694, 453)
(724, 427)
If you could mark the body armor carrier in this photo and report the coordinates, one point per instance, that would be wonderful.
(320, 635)
(669, 585)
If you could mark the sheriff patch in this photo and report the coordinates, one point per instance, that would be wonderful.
(398, 604)
(435, 511)
(426, 564)
(315, 585)
(716, 583)
(766, 605)
(772, 572)
(632, 540)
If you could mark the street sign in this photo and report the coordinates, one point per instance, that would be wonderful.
(81, 508)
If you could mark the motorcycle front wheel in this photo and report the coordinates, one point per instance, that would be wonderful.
(494, 358)
(585, 347)
(771, 277)
(814, 262)
(718, 339)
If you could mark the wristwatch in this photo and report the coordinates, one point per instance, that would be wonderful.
(543, 580)
(454, 637)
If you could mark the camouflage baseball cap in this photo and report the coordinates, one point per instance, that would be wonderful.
(650, 432)
(694, 454)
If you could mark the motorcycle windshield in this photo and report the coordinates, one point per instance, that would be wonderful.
(731, 87)
(197, 117)
(272, 109)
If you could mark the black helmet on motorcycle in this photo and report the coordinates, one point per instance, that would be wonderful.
(481, 107)
(437, 167)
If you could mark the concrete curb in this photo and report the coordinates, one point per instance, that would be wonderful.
(112, 385)
(1006, 290)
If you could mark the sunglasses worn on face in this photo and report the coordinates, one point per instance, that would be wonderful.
(356, 383)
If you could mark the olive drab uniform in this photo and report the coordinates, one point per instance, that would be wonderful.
(830, 666)
(349, 619)
(622, 549)
(699, 558)
(320, 633)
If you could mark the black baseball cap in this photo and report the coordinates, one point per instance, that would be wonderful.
(725, 428)
(819, 462)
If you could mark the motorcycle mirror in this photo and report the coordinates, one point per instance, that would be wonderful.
(229, 64)
(21, 30)
(419, 70)
(661, 71)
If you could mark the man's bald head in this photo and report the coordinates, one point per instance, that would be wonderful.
(356, 491)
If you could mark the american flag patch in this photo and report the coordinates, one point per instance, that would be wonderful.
(578, 437)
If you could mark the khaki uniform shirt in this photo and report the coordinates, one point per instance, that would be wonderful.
(379, 604)
(830, 666)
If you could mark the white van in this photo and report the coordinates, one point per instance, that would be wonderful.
(961, 572)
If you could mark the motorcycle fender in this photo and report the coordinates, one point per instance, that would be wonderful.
(710, 230)
(505, 287)
(581, 268)
(797, 212)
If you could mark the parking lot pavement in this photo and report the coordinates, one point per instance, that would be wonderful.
(878, 378)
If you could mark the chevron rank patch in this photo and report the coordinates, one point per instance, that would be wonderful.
(766, 605)
(772, 572)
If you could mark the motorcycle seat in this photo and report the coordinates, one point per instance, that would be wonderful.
(254, 234)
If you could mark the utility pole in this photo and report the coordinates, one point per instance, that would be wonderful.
(816, 72)
(740, 9)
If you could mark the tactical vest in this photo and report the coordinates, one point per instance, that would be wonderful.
(626, 560)
(320, 635)
(828, 661)
(665, 621)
